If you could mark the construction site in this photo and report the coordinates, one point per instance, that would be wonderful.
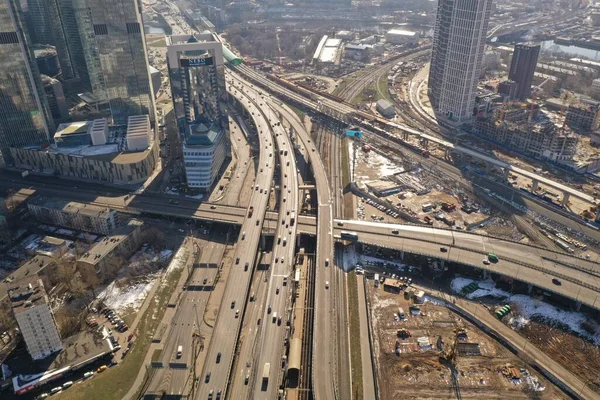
(424, 350)
(526, 128)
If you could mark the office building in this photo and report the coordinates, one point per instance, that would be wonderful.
(204, 151)
(55, 97)
(46, 28)
(47, 60)
(35, 319)
(79, 216)
(522, 68)
(115, 53)
(195, 64)
(197, 78)
(24, 112)
(457, 52)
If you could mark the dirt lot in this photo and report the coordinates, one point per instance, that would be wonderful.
(578, 355)
(418, 369)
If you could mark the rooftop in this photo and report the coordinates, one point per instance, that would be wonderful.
(29, 268)
(71, 207)
(138, 125)
(26, 293)
(401, 32)
(383, 103)
(108, 243)
(202, 134)
(72, 128)
(78, 351)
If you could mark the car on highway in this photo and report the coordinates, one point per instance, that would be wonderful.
(237, 261)
(218, 358)
(269, 309)
(243, 235)
(274, 317)
(486, 261)
(237, 313)
(246, 266)
(327, 262)
(207, 378)
(279, 320)
(326, 284)
(102, 368)
(443, 249)
(233, 304)
(557, 282)
(204, 281)
(395, 232)
(171, 201)
(277, 290)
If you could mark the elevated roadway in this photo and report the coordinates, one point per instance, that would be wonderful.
(578, 279)
(221, 350)
(324, 360)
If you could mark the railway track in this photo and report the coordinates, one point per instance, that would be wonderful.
(305, 384)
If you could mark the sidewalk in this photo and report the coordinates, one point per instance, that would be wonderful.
(481, 316)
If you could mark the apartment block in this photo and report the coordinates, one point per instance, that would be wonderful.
(84, 217)
(100, 262)
(525, 128)
(583, 116)
(35, 319)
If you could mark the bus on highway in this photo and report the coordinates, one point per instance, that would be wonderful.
(353, 236)
(266, 372)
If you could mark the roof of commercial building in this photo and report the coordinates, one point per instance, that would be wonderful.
(328, 54)
(26, 293)
(357, 47)
(72, 128)
(138, 125)
(202, 134)
(401, 32)
(78, 350)
(105, 246)
(71, 207)
(383, 103)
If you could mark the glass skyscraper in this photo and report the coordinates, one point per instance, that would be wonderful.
(115, 52)
(24, 113)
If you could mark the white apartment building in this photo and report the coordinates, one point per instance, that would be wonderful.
(85, 217)
(34, 316)
(458, 47)
(596, 86)
(204, 151)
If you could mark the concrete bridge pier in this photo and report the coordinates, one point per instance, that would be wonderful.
(486, 273)
(404, 135)
(578, 306)
(534, 186)
(424, 143)
(402, 255)
(529, 288)
(442, 262)
(506, 174)
(565, 199)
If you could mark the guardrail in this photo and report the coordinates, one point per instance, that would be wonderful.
(372, 352)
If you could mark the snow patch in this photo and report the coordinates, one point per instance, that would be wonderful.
(179, 260)
(121, 296)
(528, 307)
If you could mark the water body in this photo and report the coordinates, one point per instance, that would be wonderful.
(574, 50)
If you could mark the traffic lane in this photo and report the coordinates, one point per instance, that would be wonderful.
(253, 321)
(533, 256)
(503, 267)
(225, 330)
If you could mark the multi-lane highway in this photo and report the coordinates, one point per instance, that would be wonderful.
(221, 350)
(275, 315)
(325, 332)
(176, 372)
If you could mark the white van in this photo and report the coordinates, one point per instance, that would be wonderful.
(274, 317)
(179, 351)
